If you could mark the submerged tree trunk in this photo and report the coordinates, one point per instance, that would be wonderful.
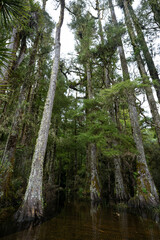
(94, 185)
(32, 206)
(148, 89)
(120, 191)
(149, 61)
(95, 190)
(144, 179)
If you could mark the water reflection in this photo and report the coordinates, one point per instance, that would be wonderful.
(80, 221)
(96, 221)
(123, 226)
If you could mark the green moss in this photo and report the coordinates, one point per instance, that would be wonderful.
(95, 185)
(122, 206)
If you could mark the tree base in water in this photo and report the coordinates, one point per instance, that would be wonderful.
(142, 201)
(29, 212)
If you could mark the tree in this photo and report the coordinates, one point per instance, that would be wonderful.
(144, 178)
(32, 206)
(149, 61)
(141, 67)
(120, 192)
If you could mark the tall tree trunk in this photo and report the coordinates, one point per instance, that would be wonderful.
(94, 185)
(150, 63)
(120, 193)
(32, 206)
(148, 89)
(144, 179)
(106, 71)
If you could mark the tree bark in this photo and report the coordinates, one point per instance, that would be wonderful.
(94, 185)
(120, 191)
(32, 207)
(95, 190)
(144, 179)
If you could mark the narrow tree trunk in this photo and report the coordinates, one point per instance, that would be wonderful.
(75, 151)
(150, 63)
(106, 71)
(95, 190)
(44, 4)
(120, 191)
(148, 89)
(32, 206)
(21, 54)
(94, 185)
(144, 179)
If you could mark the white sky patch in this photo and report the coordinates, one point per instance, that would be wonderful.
(67, 37)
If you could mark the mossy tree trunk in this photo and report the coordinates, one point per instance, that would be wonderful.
(94, 185)
(120, 192)
(144, 179)
(149, 61)
(141, 67)
(32, 207)
(95, 190)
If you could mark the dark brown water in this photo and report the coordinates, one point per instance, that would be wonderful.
(79, 221)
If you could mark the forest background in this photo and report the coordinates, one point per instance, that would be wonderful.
(98, 142)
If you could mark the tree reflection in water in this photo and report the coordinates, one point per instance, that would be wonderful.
(82, 221)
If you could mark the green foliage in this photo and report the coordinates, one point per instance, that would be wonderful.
(120, 89)
(144, 190)
(5, 54)
(11, 10)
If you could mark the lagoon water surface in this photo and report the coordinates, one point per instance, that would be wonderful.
(80, 221)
